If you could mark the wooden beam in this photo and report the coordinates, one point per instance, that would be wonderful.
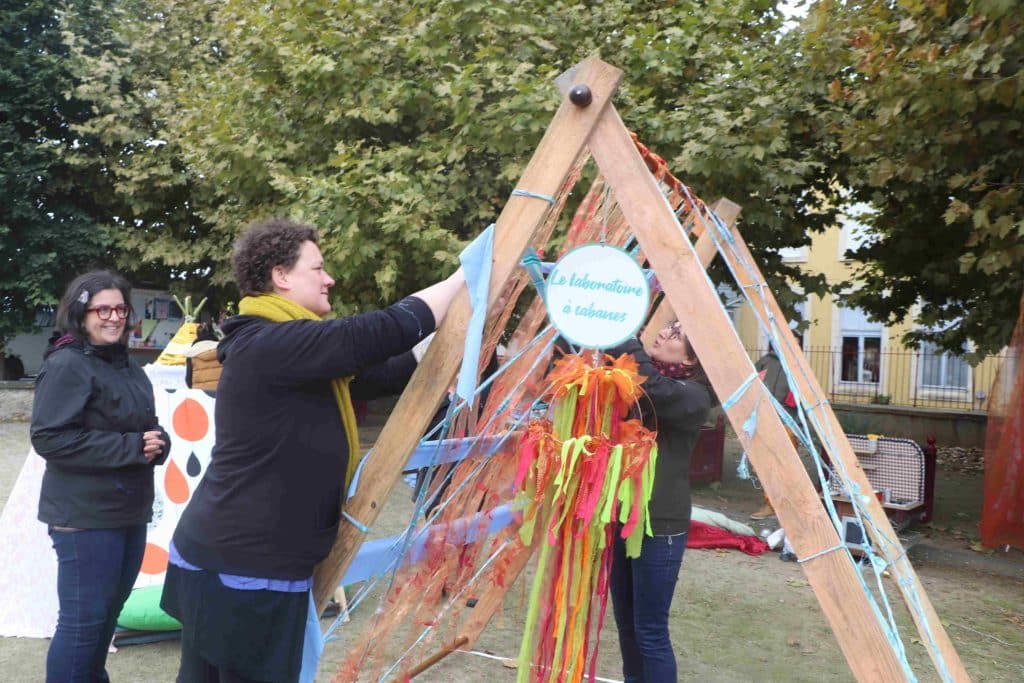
(491, 593)
(884, 537)
(706, 251)
(561, 145)
(827, 428)
(492, 596)
(451, 647)
(832, 576)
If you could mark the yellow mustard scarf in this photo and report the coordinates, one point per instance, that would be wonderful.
(278, 309)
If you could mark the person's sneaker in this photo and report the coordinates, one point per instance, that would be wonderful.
(331, 610)
(764, 512)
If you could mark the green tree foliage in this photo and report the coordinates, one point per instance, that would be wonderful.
(49, 226)
(928, 107)
(124, 54)
(400, 129)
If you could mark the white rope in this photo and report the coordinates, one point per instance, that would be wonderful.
(485, 655)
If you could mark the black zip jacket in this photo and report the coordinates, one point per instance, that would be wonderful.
(92, 405)
(269, 503)
(680, 408)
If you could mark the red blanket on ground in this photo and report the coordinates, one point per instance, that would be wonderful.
(706, 536)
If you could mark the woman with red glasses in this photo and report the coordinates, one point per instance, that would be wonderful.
(677, 399)
(94, 422)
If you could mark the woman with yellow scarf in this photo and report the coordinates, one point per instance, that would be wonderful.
(267, 508)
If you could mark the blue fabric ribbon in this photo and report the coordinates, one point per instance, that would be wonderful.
(476, 263)
(312, 644)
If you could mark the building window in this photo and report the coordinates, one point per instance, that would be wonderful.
(861, 359)
(854, 232)
(942, 370)
(793, 254)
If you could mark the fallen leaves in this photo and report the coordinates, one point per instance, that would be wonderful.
(964, 460)
(797, 644)
(1013, 618)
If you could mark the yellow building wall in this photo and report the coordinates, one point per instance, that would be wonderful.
(900, 365)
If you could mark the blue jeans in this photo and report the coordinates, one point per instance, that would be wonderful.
(642, 589)
(96, 569)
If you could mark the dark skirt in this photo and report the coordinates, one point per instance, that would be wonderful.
(256, 634)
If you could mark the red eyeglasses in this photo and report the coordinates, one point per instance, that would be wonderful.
(105, 312)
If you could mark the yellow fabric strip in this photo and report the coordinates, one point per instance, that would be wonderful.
(278, 309)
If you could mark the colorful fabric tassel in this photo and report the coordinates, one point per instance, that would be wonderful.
(580, 477)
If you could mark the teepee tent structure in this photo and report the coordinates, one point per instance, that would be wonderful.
(28, 574)
(585, 124)
(174, 352)
(28, 595)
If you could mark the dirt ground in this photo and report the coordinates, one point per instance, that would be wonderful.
(734, 618)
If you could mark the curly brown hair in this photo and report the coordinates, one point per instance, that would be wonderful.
(263, 246)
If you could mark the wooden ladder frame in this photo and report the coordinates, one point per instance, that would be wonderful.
(680, 266)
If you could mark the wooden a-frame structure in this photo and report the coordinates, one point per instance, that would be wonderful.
(592, 125)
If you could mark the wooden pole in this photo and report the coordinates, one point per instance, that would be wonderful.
(548, 168)
(832, 576)
(433, 659)
(828, 429)
(492, 593)
(884, 537)
(706, 251)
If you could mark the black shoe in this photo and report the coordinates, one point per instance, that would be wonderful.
(332, 610)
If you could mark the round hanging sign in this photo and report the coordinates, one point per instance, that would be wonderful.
(597, 296)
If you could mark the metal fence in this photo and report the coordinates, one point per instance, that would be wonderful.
(864, 373)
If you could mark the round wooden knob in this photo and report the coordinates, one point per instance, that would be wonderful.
(581, 96)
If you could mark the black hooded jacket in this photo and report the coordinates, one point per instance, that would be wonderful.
(680, 409)
(92, 405)
(269, 503)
